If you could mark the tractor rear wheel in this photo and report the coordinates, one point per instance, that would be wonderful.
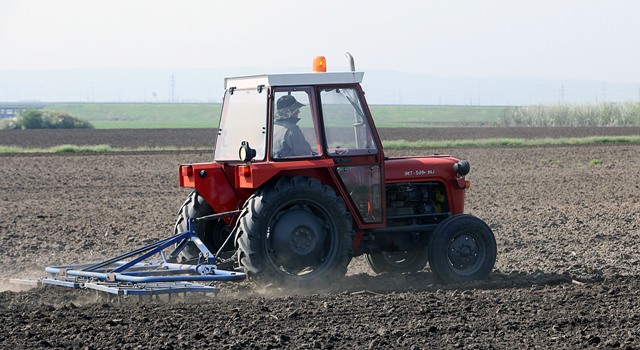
(213, 233)
(295, 233)
(398, 262)
(462, 249)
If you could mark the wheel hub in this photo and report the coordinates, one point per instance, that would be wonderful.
(297, 239)
(303, 240)
(463, 252)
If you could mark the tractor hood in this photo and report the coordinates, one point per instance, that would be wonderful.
(417, 168)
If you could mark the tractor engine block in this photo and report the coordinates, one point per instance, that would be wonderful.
(414, 203)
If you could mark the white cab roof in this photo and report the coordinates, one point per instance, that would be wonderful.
(253, 81)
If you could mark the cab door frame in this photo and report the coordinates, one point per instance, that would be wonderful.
(359, 171)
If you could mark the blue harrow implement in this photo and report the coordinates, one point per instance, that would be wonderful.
(143, 276)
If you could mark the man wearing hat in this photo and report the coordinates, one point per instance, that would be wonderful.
(288, 139)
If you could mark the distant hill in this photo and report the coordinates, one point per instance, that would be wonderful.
(382, 87)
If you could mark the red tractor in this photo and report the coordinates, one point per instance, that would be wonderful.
(300, 185)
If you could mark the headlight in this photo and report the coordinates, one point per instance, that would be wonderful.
(462, 167)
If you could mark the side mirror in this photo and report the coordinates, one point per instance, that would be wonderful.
(246, 153)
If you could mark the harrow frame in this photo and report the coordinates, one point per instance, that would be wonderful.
(137, 277)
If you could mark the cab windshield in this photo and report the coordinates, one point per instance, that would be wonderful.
(244, 117)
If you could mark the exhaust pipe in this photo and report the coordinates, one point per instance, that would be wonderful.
(352, 63)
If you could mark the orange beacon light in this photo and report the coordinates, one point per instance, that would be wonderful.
(319, 64)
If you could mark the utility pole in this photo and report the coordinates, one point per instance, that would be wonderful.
(561, 100)
(173, 89)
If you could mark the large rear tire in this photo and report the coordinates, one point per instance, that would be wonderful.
(295, 233)
(212, 232)
(408, 261)
(462, 249)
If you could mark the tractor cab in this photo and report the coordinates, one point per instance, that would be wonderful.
(326, 107)
(317, 123)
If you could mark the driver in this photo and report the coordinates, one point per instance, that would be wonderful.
(288, 139)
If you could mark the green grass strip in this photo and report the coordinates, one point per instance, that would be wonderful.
(79, 149)
(391, 144)
(57, 149)
(494, 142)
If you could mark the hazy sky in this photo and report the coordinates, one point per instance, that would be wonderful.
(581, 39)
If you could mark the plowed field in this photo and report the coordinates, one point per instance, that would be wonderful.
(183, 138)
(566, 219)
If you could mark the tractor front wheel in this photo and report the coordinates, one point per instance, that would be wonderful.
(398, 262)
(295, 233)
(462, 249)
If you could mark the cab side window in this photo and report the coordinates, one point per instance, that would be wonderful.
(346, 127)
(294, 130)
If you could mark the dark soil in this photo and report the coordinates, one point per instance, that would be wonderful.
(200, 138)
(566, 219)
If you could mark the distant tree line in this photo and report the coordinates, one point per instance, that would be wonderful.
(37, 119)
(586, 115)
